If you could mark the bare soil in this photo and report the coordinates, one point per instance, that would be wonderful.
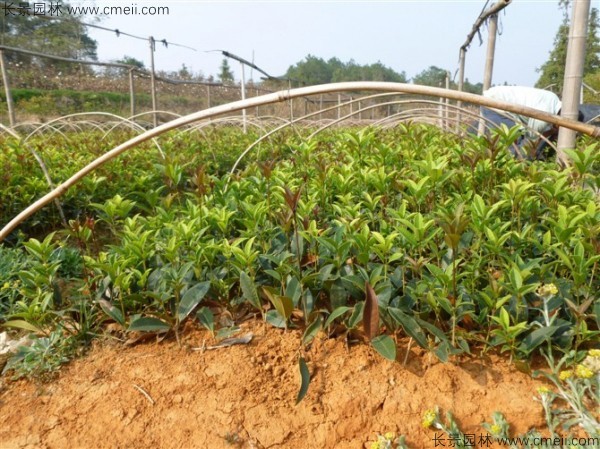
(161, 395)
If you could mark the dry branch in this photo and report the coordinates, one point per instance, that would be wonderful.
(494, 9)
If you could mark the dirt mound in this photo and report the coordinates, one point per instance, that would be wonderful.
(160, 395)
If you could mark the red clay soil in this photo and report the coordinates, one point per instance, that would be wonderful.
(160, 395)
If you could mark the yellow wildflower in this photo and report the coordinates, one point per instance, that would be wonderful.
(429, 418)
(543, 390)
(6, 286)
(496, 429)
(547, 290)
(583, 372)
(566, 374)
(594, 352)
(390, 436)
(375, 445)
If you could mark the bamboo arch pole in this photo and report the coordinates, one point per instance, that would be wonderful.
(298, 119)
(9, 100)
(286, 95)
(388, 103)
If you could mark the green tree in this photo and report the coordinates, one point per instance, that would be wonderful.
(59, 34)
(313, 70)
(433, 76)
(130, 60)
(552, 72)
(225, 73)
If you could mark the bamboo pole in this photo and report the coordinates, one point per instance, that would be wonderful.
(9, 100)
(153, 81)
(256, 94)
(131, 94)
(491, 50)
(285, 96)
(489, 58)
(243, 88)
(573, 75)
(461, 78)
(446, 125)
(321, 106)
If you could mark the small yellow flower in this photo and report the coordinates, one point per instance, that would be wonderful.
(6, 286)
(496, 429)
(543, 390)
(566, 374)
(429, 418)
(375, 445)
(594, 353)
(583, 372)
(390, 436)
(547, 290)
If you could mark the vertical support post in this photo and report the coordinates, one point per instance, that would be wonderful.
(306, 106)
(446, 116)
(573, 75)
(9, 100)
(131, 94)
(321, 107)
(256, 94)
(208, 96)
(489, 60)
(153, 81)
(359, 110)
(291, 102)
(461, 83)
(491, 50)
(243, 86)
(339, 108)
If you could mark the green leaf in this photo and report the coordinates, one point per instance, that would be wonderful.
(356, 316)
(385, 345)
(191, 299)
(304, 379)
(293, 290)
(597, 312)
(337, 295)
(308, 302)
(336, 314)
(275, 319)
(312, 330)
(22, 324)
(282, 304)
(537, 337)
(206, 318)
(249, 291)
(148, 324)
(112, 311)
(410, 326)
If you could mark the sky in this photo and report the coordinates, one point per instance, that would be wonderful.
(408, 36)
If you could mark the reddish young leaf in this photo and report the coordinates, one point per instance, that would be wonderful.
(371, 312)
